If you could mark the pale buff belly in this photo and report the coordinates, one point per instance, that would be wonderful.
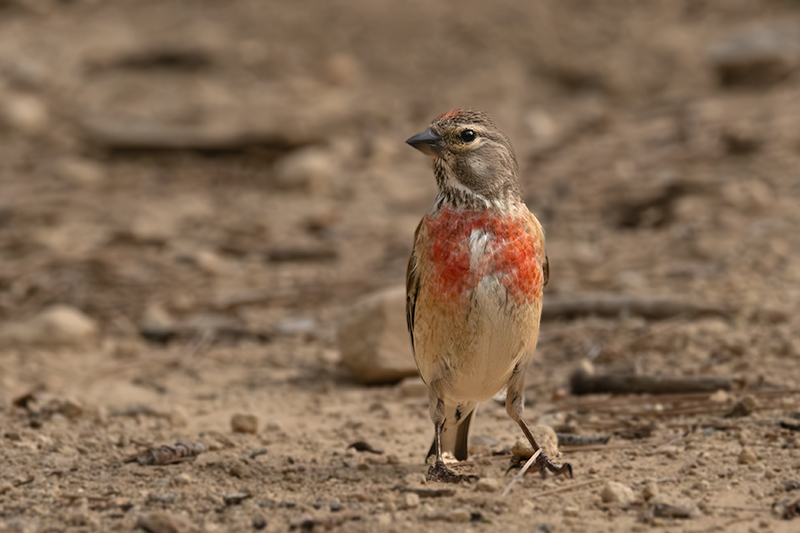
(468, 352)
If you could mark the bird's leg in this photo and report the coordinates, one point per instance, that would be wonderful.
(514, 408)
(438, 471)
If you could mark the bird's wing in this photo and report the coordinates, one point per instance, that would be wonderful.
(546, 270)
(412, 286)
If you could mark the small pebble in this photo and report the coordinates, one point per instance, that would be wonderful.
(650, 489)
(459, 516)
(235, 498)
(242, 423)
(747, 457)
(181, 480)
(410, 500)
(571, 510)
(615, 492)
(488, 484)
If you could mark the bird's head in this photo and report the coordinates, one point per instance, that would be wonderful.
(474, 162)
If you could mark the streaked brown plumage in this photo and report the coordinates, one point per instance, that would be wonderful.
(474, 281)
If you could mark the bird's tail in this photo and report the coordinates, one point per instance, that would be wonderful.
(455, 435)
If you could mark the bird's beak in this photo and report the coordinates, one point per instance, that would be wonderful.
(427, 142)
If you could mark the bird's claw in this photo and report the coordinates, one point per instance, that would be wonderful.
(543, 464)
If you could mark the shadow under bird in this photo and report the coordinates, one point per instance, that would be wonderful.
(474, 282)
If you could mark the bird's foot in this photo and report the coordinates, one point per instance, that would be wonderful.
(543, 464)
(439, 472)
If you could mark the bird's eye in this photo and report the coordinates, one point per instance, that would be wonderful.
(468, 136)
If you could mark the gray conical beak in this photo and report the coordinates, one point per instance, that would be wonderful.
(427, 142)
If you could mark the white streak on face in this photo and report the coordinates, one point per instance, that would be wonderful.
(478, 248)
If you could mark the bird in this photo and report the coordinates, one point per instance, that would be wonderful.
(474, 283)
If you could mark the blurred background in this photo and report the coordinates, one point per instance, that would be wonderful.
(193, 194)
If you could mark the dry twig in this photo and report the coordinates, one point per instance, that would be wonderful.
(614, 305)
(583, 383)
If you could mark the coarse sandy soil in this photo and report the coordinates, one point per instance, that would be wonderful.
(213, 184)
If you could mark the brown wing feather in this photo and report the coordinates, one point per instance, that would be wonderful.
(546, 270)
(412, 287)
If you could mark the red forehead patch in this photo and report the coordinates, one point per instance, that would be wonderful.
(453, 113)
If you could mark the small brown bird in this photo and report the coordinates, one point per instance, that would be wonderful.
(474, 282)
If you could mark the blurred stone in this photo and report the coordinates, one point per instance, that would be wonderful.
(374, 338)
(668, 508)
(546, 438)
(342, 69)
(301, 325)
(24, 113)
(488, 484)
(650, 490)
(59, 325)
(750, 196)
(79, 171)
(161, 522)
(459, 516)
(181, 480)
(747, 457)
(69, 407)
(308, 169)
(741, 139)
(410, 500)
(243, 423)
(744, 407)
(209, 262)
(413, 388)
(757, 56)
(720, 396)
(157, 323)
(614, 492)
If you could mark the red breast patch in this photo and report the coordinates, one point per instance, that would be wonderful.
(510, 253)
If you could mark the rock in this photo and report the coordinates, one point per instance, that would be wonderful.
(665, 508)
(242, 423)
(650, 490)
(413, 388)
(374, 338)
(59, 325)
(160, 522)
(757, 56)
(459, 516)
(69, 407)
(166, 498)
(571, 510)
(24, 113)
(615, 492)
(747, 457)
(157, 323)
(78, 171)
(299, 325)
(410, 500)
(308, 169)
(488, 484)
(181, 480)
(546, 438)
(720, 396)
(744, 407)
(235, 498)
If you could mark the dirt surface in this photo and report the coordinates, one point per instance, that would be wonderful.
(203, 189)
